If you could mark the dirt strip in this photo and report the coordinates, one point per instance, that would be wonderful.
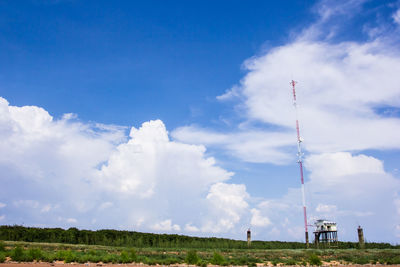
(61, 264)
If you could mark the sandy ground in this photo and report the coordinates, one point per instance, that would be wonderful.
(61, 264)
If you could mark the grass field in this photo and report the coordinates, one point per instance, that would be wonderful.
(49, 252)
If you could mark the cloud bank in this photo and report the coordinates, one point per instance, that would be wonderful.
(75, 174)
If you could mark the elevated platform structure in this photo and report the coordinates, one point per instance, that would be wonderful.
(325, 234)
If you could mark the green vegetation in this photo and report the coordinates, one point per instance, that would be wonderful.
(313, 259)
(49, 252)
(192, 258)
(217, 259)
(110, 246)
(147, 240)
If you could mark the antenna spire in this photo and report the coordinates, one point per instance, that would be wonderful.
(300, 161)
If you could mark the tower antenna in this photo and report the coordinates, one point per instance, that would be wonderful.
(300, 161)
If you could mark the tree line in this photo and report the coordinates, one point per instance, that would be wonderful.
(144, 240)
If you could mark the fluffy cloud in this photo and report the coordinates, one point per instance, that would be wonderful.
(227, 204)
(166, 226)
(258, 220)
(149, 161)
(72, 173)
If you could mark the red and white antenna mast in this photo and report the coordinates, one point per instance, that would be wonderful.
(300, 161)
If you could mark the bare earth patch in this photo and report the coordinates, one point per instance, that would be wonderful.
(62, 264)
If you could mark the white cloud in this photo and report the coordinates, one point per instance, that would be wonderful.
(2, 217)
(396, 17)
(343, 91)
(227, 203)
(149, 153)
(70, 169)
(353, 80)
(2, 205)
(166, 226)
(361, 193)
(258, 220)
(250, 146)
(190, 228)
(347, 93)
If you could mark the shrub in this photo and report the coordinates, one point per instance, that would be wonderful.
(35, 254)
(313, 259)
(48, 257)
(2, 258)
(110, 258)
(191, 257)
(17, 254)
(124, 257)
(217, 259)
(290, 262)
(275, 262)
(394, 260)
(2, 246)
(65, 255)
(132, 255)
(361, 260)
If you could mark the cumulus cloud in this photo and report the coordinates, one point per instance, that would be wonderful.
(258, 220)
(2, 205)
(150, 154)
(68, 172)
(226, 205)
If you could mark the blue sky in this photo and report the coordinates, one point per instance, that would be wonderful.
(205, 84)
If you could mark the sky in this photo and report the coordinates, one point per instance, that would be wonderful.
(177, 116)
